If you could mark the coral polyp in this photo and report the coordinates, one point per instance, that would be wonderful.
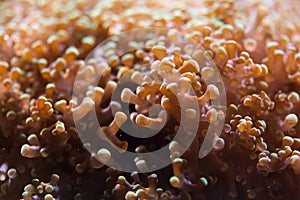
(170, 77)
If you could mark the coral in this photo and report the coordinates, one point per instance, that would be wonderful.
(45, 48)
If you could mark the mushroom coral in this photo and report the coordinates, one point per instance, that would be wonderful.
(253, 45)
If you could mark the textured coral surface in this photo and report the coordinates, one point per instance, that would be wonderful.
(253, 45)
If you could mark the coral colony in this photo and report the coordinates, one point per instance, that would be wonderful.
(254, 46)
